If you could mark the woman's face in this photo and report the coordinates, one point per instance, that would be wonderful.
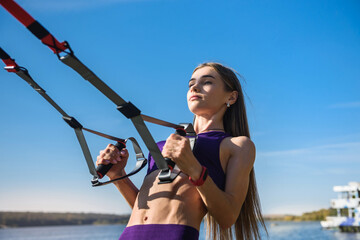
(206, 95)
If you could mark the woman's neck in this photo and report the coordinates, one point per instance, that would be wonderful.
(203, 124)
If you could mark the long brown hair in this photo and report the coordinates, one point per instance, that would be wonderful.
(236, 124)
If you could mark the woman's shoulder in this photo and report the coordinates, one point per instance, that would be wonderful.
(239, 142)
(240, 148)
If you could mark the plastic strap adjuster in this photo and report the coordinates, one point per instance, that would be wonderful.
(129, 110)
(72, 122)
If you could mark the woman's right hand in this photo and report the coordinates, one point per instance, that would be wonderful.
(113, 155)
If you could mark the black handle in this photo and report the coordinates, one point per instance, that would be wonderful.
(169, 162)
(102, 169)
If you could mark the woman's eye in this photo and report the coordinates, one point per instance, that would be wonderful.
(207, 82)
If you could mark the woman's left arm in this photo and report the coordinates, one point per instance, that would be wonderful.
(224, 206)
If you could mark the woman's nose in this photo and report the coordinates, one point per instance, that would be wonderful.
(194, 88)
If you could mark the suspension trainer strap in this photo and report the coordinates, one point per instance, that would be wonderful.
(128, 109)
(34, 26)
(141, 161)
(24, 74)
(160, 122)
(10, 63)
(43, 34)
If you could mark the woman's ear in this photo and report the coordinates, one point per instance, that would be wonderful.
(233, 97)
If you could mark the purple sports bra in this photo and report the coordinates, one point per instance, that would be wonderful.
(207, 152)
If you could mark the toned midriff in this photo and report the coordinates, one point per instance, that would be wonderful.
(173, 203)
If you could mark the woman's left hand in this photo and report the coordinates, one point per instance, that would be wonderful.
(178, 149)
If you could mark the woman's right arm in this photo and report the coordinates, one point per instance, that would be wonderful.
(119, 159)
(127, 189)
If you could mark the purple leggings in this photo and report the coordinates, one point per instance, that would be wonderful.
(160, 232)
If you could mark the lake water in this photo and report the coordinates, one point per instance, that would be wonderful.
(277, 231)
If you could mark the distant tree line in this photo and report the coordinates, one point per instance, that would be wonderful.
(319, 215)
(27, 219)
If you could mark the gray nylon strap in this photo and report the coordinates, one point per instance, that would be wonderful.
(159, 122)
(86, 152)
(192, 142)
(140, 158)
(149, 142)
(138, 152)
(138, 122)
(104, 135)
(78, 131)
(190, 133)
(25, 75)
(88, 75)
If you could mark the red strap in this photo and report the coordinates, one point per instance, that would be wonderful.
(39, 31)
(11, 65)
(18, 12)
(201, 179)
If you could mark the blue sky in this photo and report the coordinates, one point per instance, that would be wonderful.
(301, 66)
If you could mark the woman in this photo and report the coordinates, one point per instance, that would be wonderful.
(217, 178)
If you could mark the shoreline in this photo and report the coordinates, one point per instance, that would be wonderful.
(38, 219)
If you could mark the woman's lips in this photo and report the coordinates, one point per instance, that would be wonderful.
(194, 97)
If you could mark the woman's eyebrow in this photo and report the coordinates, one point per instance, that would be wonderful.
(203, 76)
